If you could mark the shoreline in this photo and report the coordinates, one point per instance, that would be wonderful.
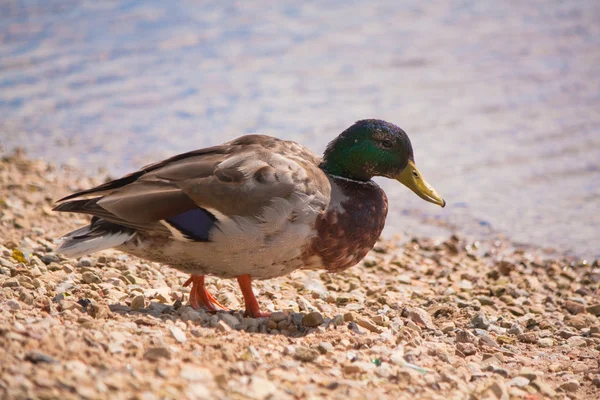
(425, 319)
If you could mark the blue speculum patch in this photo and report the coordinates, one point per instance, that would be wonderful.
(195, 224)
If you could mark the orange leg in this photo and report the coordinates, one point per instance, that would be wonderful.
(252, 307)
(199, 294)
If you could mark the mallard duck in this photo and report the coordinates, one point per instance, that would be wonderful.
(256, 207)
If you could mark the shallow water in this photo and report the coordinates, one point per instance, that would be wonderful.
(501, 99)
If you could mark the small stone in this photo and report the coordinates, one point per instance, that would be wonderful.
(49, 258)
(178, 334)
(497, 370)
(421, 317)
(156, 353)
(515, 329)
(467, 349)
(229, 319)
(222, 326)
(574, 307)
(261, 388)
(543, 388)
(90, 277)
(367, 324)
(596, 381)
(448, 326)
(570, 386)
(312, 319)
(358, 367)
(305, 354)
(519, 381)
(528, 373)
(576, 341)
(545, 342)
(594, 309)
(37, 357)
(485, 300)
(579, 367)
(349, 317)
(278, 316)
(324, 347)
(138, 302)
(397, 357)
(195, 374)
(87, 262)
(11, 283)
(498, 390)
(529, 337)
(13, 305)
(351, 369)
(565, 334)
(480, 321)
(581, 321)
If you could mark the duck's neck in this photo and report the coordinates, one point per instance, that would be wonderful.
(341, 162)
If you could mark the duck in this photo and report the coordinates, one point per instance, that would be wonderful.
(256, 207)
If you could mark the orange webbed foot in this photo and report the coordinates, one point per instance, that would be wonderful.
(199, 294)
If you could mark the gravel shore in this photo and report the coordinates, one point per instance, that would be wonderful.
(423, 320)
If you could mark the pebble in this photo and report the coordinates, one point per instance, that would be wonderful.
(305, 354)
(86, 262)
(421, 317)
(325, 347)
(480, 321)
(13, 305)
(278, 316)
(519, 381)
(37, 357)
(529, 337)
(358, 367)
(498, 390)
(570, 386)
(515, 329)
(222, 326)
(467, 349)
(178, 334)
(156, 353)
(528, 373)
(576, 341)
(261, 388)
(229, 319)
(49, 258)
(138, 302)
(594, 309)
(312, 319)
(574, 307)
(11, 283)
(195, 374)
(367, 324)
(545, 342)
(90, 277)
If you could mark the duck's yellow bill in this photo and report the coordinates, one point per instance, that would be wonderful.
(412, 179)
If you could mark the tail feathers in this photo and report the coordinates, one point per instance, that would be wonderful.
(99, 235)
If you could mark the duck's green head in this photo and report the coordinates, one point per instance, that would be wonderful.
(373, 147)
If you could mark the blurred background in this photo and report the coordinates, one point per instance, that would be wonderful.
(501, 99)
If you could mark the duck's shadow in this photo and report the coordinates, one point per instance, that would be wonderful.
(280, 323)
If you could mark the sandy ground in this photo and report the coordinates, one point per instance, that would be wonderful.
(439, 320)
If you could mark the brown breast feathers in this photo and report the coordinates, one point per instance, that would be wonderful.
(350, 226)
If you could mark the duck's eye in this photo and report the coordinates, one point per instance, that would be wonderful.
(388, 144)
(415, 174)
